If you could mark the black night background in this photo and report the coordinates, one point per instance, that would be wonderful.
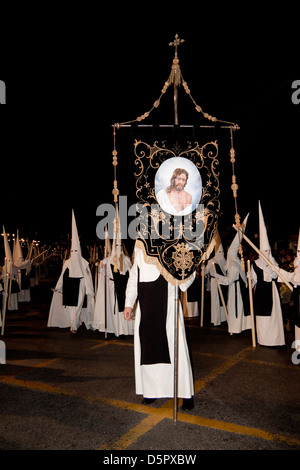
(70, 81)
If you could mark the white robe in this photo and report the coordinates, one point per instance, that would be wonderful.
(269, 329)
(13, 297)
(237, 321)
(24, 294)
(157, 380)
(116, 322)
(218, 314)
(66, 316)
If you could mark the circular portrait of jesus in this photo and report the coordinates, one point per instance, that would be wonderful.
(178, 186)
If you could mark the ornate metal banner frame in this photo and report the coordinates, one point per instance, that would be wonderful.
(176, 244)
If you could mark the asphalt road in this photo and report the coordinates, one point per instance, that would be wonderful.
(76, 392)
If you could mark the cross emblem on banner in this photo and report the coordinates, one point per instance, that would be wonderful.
(177, 41)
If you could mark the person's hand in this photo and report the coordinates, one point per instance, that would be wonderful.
(127, 313)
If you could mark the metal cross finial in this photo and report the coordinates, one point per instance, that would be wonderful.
(177, 41)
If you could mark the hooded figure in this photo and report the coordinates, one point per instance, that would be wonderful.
(24, 268)
(11, 272)
(239, 318)
(294, 278)
(266, 300)
(73, 297)
(217, 264)
(154, 332)
(112, 280)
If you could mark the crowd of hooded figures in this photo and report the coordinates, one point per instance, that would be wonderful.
(20, 272)
(99, 301)
(122, 296)
(275, 306)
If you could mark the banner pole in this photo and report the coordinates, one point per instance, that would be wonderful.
(175, 354)
(251, 305)
(202, 293)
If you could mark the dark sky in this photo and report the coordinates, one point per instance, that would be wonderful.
(69, 81)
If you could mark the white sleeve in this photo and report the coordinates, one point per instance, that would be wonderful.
(131, 289)
(232, 276)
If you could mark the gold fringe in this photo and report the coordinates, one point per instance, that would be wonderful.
(154, 261)
(209, 250)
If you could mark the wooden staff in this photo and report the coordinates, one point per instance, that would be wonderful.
(251, 305)
(221, 294)
(105, 298)
(7, 291)
(96, 276)
(5, 303)
(33, 259)
(29, 251)
(202, 293)
(175, 354)
(265, 259)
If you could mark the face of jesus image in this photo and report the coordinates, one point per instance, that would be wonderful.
(179, 179)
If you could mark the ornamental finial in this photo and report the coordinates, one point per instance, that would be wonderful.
(177, 41)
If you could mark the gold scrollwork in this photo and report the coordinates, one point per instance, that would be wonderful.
(172, 243)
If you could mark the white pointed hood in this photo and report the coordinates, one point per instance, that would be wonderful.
(232, 253)
(76, 265)
(8, 256)
(17, 252)
(264, 246)
(219, 257)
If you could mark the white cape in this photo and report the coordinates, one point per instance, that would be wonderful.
(237, 321)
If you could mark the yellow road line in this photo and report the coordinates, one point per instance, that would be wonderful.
(237, 429)
(99, 345)
(120, 343)
(33, 385)
(133, 434)
(154, 416)
(230, 362)
(46, 363)
(107, 343)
